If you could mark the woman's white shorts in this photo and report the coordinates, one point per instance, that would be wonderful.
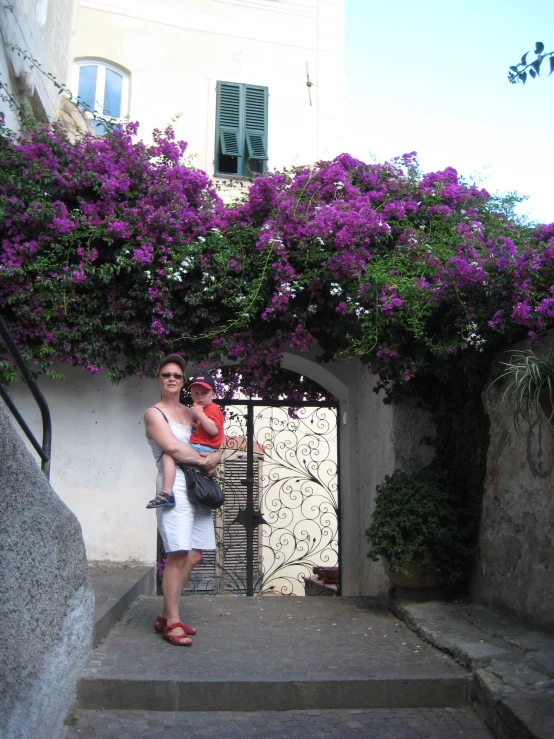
(186, 526)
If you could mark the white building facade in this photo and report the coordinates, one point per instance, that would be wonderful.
(251, 85)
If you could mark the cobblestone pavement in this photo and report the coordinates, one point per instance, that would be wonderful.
(326, 638)
(376, 723)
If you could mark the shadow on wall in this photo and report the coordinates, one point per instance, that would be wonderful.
(46, 603)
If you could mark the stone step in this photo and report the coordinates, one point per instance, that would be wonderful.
(115, 586)
(253, 654)
(513, 666)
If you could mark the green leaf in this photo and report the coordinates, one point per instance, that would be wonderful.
(523, 77)
(551, 60)
(524, 58)
(539, 47)
(514, 69)
(532, 73)
(537, 66)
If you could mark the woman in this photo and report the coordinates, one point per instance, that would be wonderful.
(185, 529)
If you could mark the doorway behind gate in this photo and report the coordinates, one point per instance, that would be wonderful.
(281, 516)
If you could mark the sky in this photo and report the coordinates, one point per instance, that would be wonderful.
(431, 76)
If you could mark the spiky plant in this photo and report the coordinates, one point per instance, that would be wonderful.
(529, 378)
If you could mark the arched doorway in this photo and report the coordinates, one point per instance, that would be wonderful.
(281, 518)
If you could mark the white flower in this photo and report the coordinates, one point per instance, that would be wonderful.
(148, 274)
(336, 289)
(318, 238)
(201, 239)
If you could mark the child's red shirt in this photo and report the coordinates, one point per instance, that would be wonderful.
(199, 434)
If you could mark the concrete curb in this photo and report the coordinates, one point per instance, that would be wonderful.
(133, 582)
(513, 668)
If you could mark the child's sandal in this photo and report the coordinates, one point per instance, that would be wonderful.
(163, 500)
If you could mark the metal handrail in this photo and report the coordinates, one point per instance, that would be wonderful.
(45, 450)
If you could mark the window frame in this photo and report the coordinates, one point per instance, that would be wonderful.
(102, 66)
(234, 138)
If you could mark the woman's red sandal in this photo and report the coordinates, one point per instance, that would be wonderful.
(178, 640)
(161, 623)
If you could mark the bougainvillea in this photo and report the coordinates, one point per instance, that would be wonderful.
(113, 253)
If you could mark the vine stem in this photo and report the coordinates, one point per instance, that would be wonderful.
(237, 321)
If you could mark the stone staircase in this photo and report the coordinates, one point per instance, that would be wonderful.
(286, 653)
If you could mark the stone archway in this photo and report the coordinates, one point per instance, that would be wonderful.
(374, 440)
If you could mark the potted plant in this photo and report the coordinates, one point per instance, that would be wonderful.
(530, 381)
(421, 530)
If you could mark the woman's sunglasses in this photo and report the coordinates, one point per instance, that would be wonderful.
(176, 375)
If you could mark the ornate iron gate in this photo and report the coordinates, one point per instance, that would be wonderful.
(281, 516)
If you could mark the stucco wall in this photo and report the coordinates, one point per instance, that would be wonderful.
(46, 604)
(515, 571)
(102, 467)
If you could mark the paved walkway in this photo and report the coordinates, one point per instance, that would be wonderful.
(378, 723)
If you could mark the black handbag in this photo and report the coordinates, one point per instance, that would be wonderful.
(203, 490)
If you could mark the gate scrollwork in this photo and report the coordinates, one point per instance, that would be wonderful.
(292, 497)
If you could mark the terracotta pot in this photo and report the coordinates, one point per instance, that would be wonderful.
(417, 580)
(327, 574)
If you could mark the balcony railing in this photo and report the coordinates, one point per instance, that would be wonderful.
(44, 450)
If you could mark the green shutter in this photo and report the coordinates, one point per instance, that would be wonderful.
(229, 141)
(255, 121)
(228, 119)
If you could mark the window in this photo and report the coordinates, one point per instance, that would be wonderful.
(241, 129)
(101, 89)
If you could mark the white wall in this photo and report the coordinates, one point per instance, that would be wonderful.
(102, 467)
